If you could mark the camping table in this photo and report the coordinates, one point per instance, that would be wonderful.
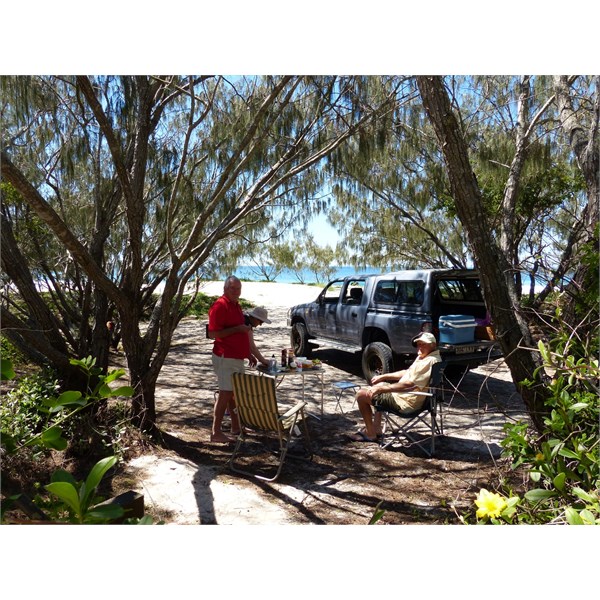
(280, 374)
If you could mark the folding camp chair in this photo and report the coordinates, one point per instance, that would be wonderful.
(256, 402)
(401, 424)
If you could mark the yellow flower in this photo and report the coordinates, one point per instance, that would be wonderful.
(489, 504)
(539, 457)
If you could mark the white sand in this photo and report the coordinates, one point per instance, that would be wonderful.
(270, 295)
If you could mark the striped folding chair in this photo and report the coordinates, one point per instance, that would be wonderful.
(258, 412)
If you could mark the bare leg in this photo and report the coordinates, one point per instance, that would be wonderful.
(223, 400)
(364, 405)
(377, 422)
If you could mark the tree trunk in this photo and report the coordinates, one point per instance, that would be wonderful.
(587, 152)
(510, 324)
(143, 403)
(141, 377)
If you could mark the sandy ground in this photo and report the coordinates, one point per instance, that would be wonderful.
(275, 297)
(190, 484)
(192, 493)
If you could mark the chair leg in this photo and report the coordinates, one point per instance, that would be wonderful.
(398, 430)
(308, 441)
(241, 438)
(284, 443)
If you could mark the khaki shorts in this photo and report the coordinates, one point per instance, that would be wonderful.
(225, 368)
(389, 402)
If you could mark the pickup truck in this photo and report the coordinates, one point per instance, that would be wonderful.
(378, 316)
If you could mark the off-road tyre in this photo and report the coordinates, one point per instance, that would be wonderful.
(377, 358)
(299, 340)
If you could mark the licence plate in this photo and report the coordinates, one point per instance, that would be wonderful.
(465, 349)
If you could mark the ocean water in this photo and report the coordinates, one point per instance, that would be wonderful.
(249, 273)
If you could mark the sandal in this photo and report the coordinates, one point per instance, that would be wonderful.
(361, 436)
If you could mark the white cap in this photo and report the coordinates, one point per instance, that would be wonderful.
(426, 337)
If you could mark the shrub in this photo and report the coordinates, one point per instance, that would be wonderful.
(9, 351)
(203, 302)
(23, 411)
(37, 417)
(562, 463)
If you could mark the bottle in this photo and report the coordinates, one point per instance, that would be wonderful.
(272, 364)
(284, 361)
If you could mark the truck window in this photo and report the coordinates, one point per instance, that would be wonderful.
(460, 290)
(354, 292)
(385, 292)
(410, 292)
(399, 292)
(331, 293)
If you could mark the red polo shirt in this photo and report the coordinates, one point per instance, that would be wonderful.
(224, 314)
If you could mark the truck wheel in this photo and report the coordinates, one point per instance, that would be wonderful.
(377, 358)
(299, 340)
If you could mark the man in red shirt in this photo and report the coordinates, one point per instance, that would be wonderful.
(226, 326)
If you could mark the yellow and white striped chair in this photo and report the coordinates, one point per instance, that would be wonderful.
(258, 412)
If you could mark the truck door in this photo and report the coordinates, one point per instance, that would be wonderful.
(350, 311)
(323, 311)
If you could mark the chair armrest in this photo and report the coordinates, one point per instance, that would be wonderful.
(292, 411)
(416, 393)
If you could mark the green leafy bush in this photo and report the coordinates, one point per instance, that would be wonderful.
(9, 351)
(24, 409)
(36, 416)
(203, 302)
(562, 463)
(79, 497)
(72, 501)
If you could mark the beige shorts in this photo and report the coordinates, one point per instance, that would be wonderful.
(225, 368)
(391, 402)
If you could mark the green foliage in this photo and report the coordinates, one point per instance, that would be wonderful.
(101, 390)
(9, 352)
(79, 497)
(34, 416)
(203, 302)
(377, 513)
(24, 410)
(6, 369)
(563, 463)
(70, 501)
(308, 255)
(301, 255)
